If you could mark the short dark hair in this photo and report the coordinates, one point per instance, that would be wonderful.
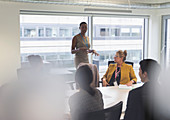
(82, 23)
(151, 67)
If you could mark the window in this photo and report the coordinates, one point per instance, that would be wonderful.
(52, 57)
(166, 41)
(75, 31)
(40, 32)
(48, 32)
(53, 43)
(29, 32)
(120, 39)
(136, 32)
(104, 31)
(54, 32)
(115, 32)
(51, 39)
(64, 32)
(20, 32)
(125, 31)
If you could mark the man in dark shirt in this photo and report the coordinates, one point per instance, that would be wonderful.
(140, 104)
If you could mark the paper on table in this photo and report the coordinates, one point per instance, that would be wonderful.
(125, 86)
(106, 96)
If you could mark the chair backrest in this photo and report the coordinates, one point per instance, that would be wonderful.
(127, 62)
(96, 62)
(112, 113)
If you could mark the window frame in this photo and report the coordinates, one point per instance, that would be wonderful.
(164, 40)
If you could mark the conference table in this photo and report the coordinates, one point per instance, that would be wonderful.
(111, 95)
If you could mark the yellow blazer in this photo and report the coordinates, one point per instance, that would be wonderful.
(127, 73)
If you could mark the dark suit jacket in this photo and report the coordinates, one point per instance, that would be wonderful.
(139, 105)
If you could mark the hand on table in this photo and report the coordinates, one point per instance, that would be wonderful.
(129, 83)
(105, 82)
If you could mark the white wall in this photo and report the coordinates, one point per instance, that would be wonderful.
(154, 42)
(9, 42)
(10, 35)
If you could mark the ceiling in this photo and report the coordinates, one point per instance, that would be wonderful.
(133, 4)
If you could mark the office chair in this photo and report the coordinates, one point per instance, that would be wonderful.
(127, 62)
(96, 62)
(112, 113)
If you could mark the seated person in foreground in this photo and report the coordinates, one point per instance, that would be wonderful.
(93, 67)
(140, 104)
(119, 73)
(88, 99)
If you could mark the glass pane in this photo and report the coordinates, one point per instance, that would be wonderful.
(41, 32)
(29, 32)
(53, 40)
(20, 32)
(75, 31)
(54, 32)
(64, 32)
(104, 31)
(118, 34)
(136, 32)
(49, 32)
(168, 44)
(125, 31)
(115, 32)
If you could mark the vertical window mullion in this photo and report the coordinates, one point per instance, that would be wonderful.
(164, 41)
(90, 34)
(145, 36)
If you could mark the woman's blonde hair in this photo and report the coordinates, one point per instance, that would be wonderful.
(122, 54)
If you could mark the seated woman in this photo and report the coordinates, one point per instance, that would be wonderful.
(88, 99)
(119, 73)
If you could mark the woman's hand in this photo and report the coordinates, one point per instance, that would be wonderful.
(93, 52)
(130, 83)
(105, 82)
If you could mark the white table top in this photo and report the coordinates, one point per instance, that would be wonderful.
(111, 95)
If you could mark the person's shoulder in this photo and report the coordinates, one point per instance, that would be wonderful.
(98, 94)
(78, 35)
(136, 91)
(112, 65)
(75, 37)
(74, 97)
(127, 65)
(98, 91)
